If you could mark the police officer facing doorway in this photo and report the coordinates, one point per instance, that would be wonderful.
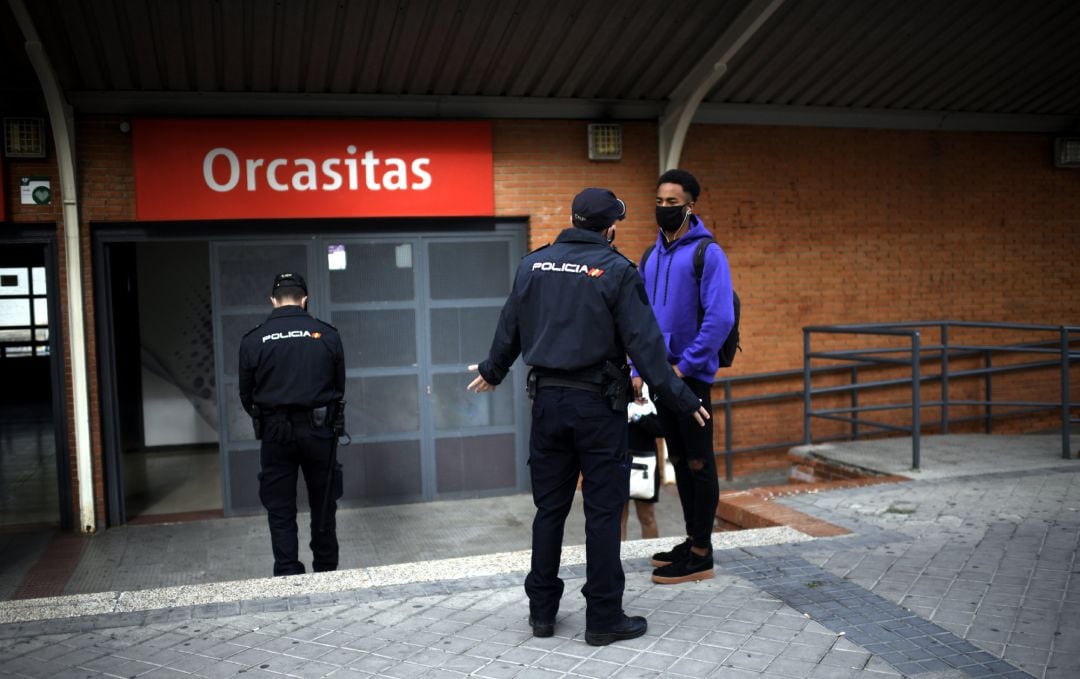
(292, 380)
(577, 308)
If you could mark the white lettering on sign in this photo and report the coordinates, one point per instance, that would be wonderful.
(305, 174)
(234, 170)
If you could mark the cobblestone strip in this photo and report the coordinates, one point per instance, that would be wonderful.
(298, 603)
(906, 641)
(724, 627)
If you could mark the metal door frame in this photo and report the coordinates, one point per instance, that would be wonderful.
(320, 306)
(326, 307)
(103, 236)
(310, 232)
(514, 380)
(227, 387)
(46, 238)
(515, 234)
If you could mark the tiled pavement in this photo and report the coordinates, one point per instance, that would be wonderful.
(992, 558)
(726, 627)
(967, 576)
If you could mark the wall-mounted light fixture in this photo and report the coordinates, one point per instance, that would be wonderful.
(24, 137)
(605, 141)
(1067, 152)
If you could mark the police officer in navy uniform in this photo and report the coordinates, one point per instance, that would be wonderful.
(576, 310)
(292, 381)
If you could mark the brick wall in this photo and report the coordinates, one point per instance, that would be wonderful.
(825, 226)
(820, 226)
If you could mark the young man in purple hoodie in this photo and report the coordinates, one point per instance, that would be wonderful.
(695, 319)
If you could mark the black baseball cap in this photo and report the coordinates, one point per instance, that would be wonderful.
(289, 280)
(597, 209)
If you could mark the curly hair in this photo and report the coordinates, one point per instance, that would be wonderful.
(683, 179)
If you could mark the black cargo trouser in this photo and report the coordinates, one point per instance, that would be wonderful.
(290, 444)
(574, 431)
(699, 490)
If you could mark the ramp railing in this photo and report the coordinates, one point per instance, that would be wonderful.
(912, 357)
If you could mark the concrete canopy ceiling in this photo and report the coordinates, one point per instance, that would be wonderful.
(965, 64)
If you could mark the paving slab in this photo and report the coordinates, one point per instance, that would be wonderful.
(948, 456)
(970, 573)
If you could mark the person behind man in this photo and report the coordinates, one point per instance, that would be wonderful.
(576, 309)
(696, 318)
(292, 381)
(643, 430)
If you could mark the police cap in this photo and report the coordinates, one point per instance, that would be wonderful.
(289, 280)
(597, 209)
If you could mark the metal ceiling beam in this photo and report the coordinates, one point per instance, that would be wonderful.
(355, 106)
(362, 106)
(881, 119)
(688, 94)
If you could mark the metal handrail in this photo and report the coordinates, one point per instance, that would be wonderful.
(728, 403)
(862, 358)
(858, 360)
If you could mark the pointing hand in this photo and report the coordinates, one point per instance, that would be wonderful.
(479, 384)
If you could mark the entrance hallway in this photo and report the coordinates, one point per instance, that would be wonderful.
(172, 480)
(158, 481)
(968, 573)
(28, 485)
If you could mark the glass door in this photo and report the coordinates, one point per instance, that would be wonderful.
(413, 311)
(372, 293)
(475, 436)
(242, 276)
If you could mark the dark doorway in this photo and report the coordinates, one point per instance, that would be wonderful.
(33, 483)
(161, 448)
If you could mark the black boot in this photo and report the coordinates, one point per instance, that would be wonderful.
(541, 629)
(627, 628)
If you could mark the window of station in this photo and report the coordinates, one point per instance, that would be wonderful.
(24, 315)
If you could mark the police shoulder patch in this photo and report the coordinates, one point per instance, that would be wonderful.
(536, 250)
(622, 256)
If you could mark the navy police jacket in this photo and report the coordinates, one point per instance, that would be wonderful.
(578, 303)
(292, 361)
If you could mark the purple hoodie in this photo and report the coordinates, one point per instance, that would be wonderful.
(673, 295)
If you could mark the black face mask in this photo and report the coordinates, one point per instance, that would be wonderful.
(670, 218)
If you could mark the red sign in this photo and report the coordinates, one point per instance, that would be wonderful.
(267, 169)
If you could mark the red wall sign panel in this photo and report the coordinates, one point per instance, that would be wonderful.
(266, 169)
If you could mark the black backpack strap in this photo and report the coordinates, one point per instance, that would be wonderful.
(699, 270)
(645, 256)
(699, 257)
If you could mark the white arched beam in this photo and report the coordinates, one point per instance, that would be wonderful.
(688, 94)
(62, 122)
